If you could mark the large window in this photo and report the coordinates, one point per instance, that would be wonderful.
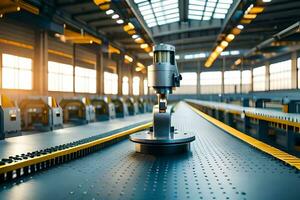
(85, 80)
(136, 85)
(259, 78)
(246, 77)
(281, 75)
(145, 86)
(232, 81)
(246, 80)
(211, 82)
(110, 83)
(60, 77)
(125, 85)
(16, 72)
(188, 84)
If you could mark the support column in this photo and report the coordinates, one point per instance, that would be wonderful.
(120, 75)
(241, 77)
(223, 69)
(251, 86)
(294, 71)
(198, 79)
(74, 65)
(267, 76)
(130, 77)
(40, 68)
(141, 85)
(100, 73)
(290, 139)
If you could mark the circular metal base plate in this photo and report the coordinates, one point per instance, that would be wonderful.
(162, 149)
(146, 143)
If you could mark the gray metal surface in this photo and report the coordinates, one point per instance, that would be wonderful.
(34, 142)
(218, 167)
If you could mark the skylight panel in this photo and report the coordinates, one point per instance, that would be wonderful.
(220, 10)
(139, 1)
(219, 16)
(195, 7)
(195, 12)
(222, 5)
(196, 17)
(211, 4)
(163, 11)
(209, 9)
(198, 2)
(216, 9)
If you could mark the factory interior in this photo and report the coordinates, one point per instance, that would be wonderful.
(149, 99)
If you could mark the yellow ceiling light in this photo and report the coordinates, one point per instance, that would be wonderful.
(224, 44)
(140, 65)
(236, 31)
(219, 49)
(112, 49)
(207, 64)
(148, 49)
(229, 37)
(139, 40)
(214, 55)
(151, 54)
(256, 10)
(237, 62)
(246, 21)
(103, 4)
(250, 16)
(144, 46)
(128, 58)
(131, 32)
(128, 27)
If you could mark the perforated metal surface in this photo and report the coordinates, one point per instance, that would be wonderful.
(218, 167)
(29, 143)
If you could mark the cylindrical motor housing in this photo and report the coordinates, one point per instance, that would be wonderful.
(162, 75)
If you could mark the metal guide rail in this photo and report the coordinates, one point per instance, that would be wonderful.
(77, 142)
(219, 166)
(259, 113)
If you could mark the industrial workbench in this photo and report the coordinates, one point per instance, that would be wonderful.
(219, 166)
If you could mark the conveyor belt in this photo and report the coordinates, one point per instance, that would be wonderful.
(259, 112)
(34, 142)
(218, 167)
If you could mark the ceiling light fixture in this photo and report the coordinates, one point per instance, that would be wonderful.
(144, 46)
(109, 12)
(115, 16)
(229, 37)
(241, 27)
(120, 21)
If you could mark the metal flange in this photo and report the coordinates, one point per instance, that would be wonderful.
(146, 143)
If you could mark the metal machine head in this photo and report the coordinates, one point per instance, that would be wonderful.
(163, 75)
